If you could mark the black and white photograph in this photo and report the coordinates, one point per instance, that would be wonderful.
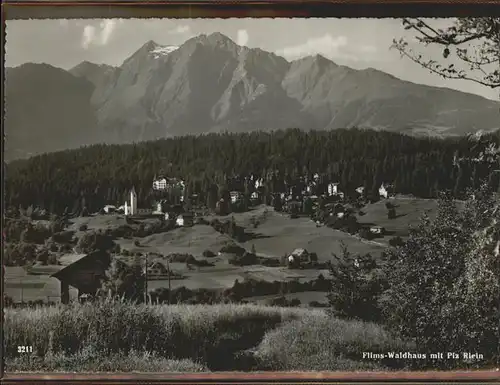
(251, 195)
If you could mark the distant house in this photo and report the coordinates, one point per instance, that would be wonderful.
(377, 230)
(300, 255)
(184, 220)
(382, 191)
(332, 189)
(235, 196)
(157, 269)
(175, 188)
(360, 190)
(158, 210)
(160, 183)
(85, 273)
(258, 183)
(254, 195)
(386, 190)
(143, 211)
(108, 209)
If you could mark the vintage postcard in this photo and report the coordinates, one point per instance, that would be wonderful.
(252, 195)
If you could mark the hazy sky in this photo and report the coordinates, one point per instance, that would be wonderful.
(357, 43)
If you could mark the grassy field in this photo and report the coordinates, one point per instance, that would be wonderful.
(408, 213)
(21, 286)
(275, 236)
(116, 336)
(304, 297)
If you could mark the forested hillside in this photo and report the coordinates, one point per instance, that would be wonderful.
(102, 174)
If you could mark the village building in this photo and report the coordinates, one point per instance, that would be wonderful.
(332, 188)
(360, 190)
(185, 220)
(299, 255)
(144, 211)
(258, 183)
(377, 230)
(108, 209)
(235, 196)
(157, 270)
(85, 273)
(160, 183)
(172, 188)
(386, 190)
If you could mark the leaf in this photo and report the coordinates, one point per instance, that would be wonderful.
(446, 52)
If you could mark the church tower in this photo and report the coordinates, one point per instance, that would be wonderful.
(133, 202)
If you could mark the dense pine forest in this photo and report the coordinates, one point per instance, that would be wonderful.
(91, 177)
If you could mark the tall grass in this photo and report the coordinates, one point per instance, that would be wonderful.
(204, 334)
(87, 360)
(119, 336)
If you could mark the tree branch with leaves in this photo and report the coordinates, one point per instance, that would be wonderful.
(475, 41)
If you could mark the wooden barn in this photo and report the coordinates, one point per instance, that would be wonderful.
(85, 274)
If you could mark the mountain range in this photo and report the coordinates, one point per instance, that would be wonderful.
(211, 84)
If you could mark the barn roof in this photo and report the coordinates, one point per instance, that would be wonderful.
(79, 261)
(298, 252)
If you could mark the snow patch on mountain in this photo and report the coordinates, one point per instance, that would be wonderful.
(163, 50)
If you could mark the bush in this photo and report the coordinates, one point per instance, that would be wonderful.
(93, 241)
(318, 304)
(396, 241)
(209, 254)
(246, 259)
(321, 343)
(63, 237)
(233, 248)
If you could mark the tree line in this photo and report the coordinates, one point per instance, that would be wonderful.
(91, 177)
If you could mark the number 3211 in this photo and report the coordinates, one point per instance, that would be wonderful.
(25, 349)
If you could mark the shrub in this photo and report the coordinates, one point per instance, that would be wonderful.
(396, 241)
(356, 287)
(209, 254)
(321, 343)
(93, 241)
(233, 248)
(63, 237)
